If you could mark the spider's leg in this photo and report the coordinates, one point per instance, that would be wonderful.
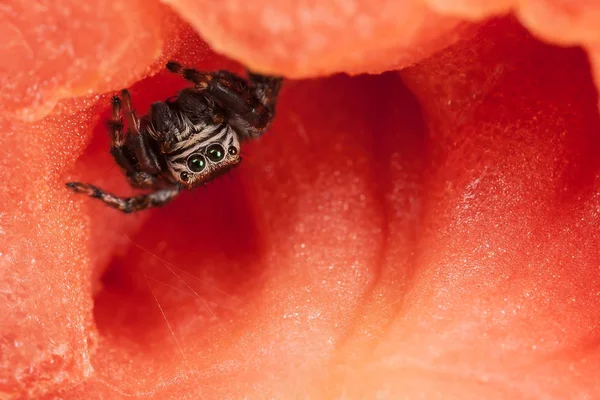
(119, 146)
(132, 119)
(142, 180)
(266, 88)
(137, 143)
(124, 149)
(122, 154)
(127, 204)
(251, 105)
(200, 79)
(117, 138)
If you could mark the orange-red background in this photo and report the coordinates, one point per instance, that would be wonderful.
(429, 232)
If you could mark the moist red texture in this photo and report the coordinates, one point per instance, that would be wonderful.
(428, 233)
(310, 38)
(61, 49)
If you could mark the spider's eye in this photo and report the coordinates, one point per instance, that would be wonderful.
(215, 152)
(184, 176)
(232, 151)
(196, 163)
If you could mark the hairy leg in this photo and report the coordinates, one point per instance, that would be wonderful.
(117, 137)
(266, 88)
(126, 150)
(144, 159)
(253, 104)
(127, 204)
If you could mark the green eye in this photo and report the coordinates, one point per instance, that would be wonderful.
(215, 152)
(196, 163)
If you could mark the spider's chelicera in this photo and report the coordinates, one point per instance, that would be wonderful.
(188, 140)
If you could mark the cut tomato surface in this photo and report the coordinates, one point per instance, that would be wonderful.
(424, 233)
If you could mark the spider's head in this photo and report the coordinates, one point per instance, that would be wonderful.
(202, 162)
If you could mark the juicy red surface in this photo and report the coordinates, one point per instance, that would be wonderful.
(425, 233)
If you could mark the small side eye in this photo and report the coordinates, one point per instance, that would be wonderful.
(215, 152)
(184, 176)
(232, 151)
(196, 163)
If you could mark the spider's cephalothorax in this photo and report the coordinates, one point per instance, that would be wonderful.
(188, 140)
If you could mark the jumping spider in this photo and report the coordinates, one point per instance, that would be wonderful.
(188, 140)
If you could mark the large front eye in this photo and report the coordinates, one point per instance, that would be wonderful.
(215, 152)
(196, 163)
